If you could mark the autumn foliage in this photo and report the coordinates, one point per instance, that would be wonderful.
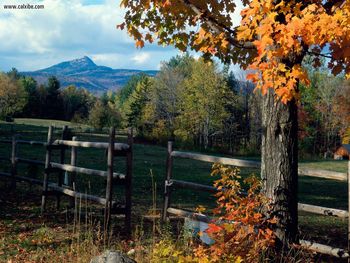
(294, 27)
(241, 232)
(273, 38)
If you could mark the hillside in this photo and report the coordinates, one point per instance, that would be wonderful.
(84, 73)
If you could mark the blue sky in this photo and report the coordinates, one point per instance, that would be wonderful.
(65, 30)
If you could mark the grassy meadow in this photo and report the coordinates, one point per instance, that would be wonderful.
(17, 232)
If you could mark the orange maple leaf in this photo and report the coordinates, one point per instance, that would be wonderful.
(140, 44)
(213, 228)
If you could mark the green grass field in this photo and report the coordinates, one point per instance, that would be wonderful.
(47, 123)
(150, 159)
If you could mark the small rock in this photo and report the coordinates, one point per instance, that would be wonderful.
(131, 252)
(112, 257)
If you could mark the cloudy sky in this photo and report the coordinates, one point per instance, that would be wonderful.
(65, 30)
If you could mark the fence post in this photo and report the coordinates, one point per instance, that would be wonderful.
(13, 162)
(47, 166)
(72, 179)
(110, 157)
(128, 189)
(168, 176)
(61, 173)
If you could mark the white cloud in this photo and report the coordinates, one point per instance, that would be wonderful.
(32, 39)
(64, 30)
(141, 58)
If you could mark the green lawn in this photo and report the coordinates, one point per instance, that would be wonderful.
(47, 123)
(151, 159)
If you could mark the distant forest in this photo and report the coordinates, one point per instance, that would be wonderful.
(194, 102)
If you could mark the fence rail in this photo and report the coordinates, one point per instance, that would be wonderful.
(99, 145)
(82, 170)
(322, 210)
(216, 159)
(325, 174)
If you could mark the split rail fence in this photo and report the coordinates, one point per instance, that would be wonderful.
(170, 183)
(59, 188)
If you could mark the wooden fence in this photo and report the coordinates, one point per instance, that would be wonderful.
(170, 183)
(50, 188)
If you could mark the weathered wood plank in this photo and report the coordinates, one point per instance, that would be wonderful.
(73, 175)
(324, 249)
(322, 210)
(319, 248)
(56, 188)
(71, 168)
(323, 174)
(216, 159)
(109, 185)
(22, 178)
(47, 166)
(168, 177)
(40, 143)
(183, 213)
(73, 193)
(253, 164)
(128, 181)
(64, 136)
(99, 145)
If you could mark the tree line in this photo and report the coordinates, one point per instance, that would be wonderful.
(25, 98)
(194, 102)
(324, 111)
(197, 103)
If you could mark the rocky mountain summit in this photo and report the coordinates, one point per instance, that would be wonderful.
(84, 73)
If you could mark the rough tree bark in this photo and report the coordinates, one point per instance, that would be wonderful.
(279, 170)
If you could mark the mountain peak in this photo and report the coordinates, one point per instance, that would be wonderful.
(84, 61)
(71, 67)
(83, 72)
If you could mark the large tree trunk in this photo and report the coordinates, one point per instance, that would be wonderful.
(279, 170)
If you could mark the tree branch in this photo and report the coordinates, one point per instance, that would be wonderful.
(318, 54)
(218, 27)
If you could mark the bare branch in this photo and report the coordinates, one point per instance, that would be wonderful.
(318, 54)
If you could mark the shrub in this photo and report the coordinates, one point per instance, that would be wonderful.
(242, 232)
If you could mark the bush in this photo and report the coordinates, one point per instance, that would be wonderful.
(241, 232)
